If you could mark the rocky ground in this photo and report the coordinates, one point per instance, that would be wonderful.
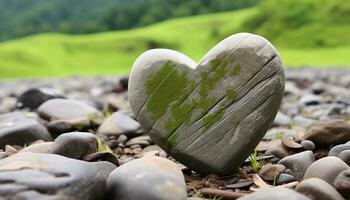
(76, 138)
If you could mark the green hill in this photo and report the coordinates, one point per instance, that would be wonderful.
(114, 52)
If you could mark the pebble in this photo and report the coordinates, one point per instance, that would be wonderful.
(284, 178)
(326, 168)
(276, 193)
(319, 189)
(49, 176)
(118, 124)
(276, 148)
(308, 145)
(327, 133)
(342, 183)
(269, 172)
(345, 156)
(336, 150)
(282, 119)
(34, 97)
(55, 109)
(17, 128)
(148, 178)
(298, 163)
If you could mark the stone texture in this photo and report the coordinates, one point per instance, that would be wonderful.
(55, 109)
(18, 128)
(48, 176)
(342, 183)
(326, 168)
(147, 178)
(223, 105)
(319, 189)
(276, 193)
(327, 133)
(118, 124)
(298, 163)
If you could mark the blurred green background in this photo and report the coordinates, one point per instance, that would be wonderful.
(43, 38)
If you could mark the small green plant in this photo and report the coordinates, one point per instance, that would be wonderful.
(254, 162)
(274, 180)
(79, 126)
(277, 136)
(200, 195)
(102, 147)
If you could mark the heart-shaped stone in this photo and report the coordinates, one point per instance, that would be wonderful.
(209, 116)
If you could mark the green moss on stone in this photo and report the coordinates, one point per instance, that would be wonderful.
(163, 93)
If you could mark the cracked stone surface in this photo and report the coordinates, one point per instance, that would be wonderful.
(221, 106)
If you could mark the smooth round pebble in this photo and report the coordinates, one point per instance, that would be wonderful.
(336, 150)
(284, 178)
(276, 193)
(326, 168)
(147, 178)
(319, 189)
(298, 163)
(308, 145)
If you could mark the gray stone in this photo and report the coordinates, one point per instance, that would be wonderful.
(282, 120)
(308, 145)
(336, 150)
(57, 127)
(49, 176)
(342, 183)
(319, 189)
(75, 145)
(147, 178)
(269, 172)
(20, 128)
(326, 168)
(309, 99)
(223, 105)
(327, 133)
(298, 163)
(284, 178)
(55, 109)
(303, 121)
(276, 149)
(276, 193)
(118, 124)
(345, 156)
(34, 97)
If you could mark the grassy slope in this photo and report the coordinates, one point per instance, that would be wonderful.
(114, 52)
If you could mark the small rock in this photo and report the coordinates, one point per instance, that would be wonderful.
(345, 156)
(34, 97)
(55, 109)
(48, 176)
(319, 189)
(282, 119)
(328, 133)
(275, 148)
(57, 127)
(326, 168)
(75, 145)
(19, 129)
(269, 172)
(118, 124)
(148, 178)
(276, 193)
(141, 140)
(342, 183)
(284, 178)
(308, 145)
(336, 150)
(303, 121)
(309, 99)
(298, 163)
